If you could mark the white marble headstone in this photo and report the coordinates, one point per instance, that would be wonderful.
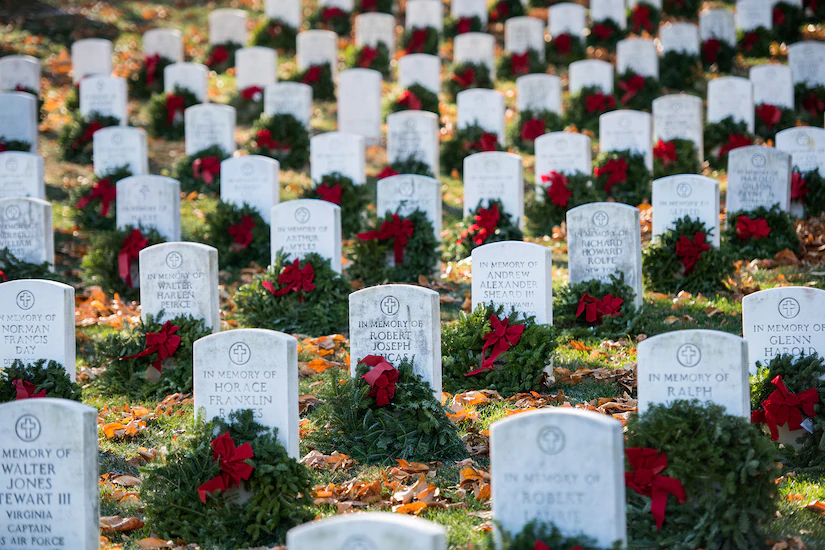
(166, 43)
(288, 11)
(290, 98)
(405, 193)
(807, 63)
(422, 69)
(306, 226)
(772, 84)
(91, 56)
(317, 47)
(104, 95)
(421, 14)
(494, 175)
(752, 14)
(18, 118)
(19, 71)
(368, 531)
(21, 175)
(590, 72)
(627, 130)
(524, 33)
(413, 135)
(26, 229)
(758, 176)
(209, 124)
(731, 96)
(340, 152)
(484, 108)
(675, 197)
(680, 37)
(601, 10)
(118, 146)
(806, 145)
(475, 47)
(227, 25)
(255, 66)
(563, 152)
(567, 18)
(359, 104)
(638, 55)
(719, 24)
(189, 76)
(539, 92)
(372, 29)
(679, 116)
(151, 202)
(252, 180)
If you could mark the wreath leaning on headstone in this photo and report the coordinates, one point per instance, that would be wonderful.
(166, 113)
(301, 296)
(564, 48)
(339, 189)
(679, 70)
(230, 482)
(201, 171)
(34, 380)
(282, 137)
(643, 17)
(369, 57)
(810, 102)
(723, 137)
(513, 65)
(530, 124)
(410, 165)
(605, 33)
(453, 26)
(94, 206)
(148, 79)
(12, 268)
(466, 75)
(539, 535)
(75, 139)
(414, 98)
(808, 188)
(420, 40)
(755, 42)
(637, 92)
(675, 157)
(381, 414)
(558, 194)
(491, 349)
(248, 104)
(622, 176)
(584, 107)
(485, 225)
(331, 18)
(502, 10)
(275, 33)
(691, 464)
(771, 119)
(319, 78)
(221, 57)
(151, 359)
(465, 142)
(717, 53)
(760, 233)
(597, 308)
(239, 233)
(14, 145)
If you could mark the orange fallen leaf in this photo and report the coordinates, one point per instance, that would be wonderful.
(413, 508)
(118, 524)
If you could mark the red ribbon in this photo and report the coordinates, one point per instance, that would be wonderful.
(207, 168)
(25, 390)
(641, 18)
(3, 146)
(557, 191)
(747, 228)
(252, 93)
(330, 194)
(164, 343)
(710, 49)
(602, 31)
(778, 16)
(152, 62)
(599, 102)
(500, 338)
(3, 276)
(749, 40)
(594, 309)
(486, 223)
(487, 142)
(232, 461)
(632, 86)
(130, 250)
(293, 278)
(242, 233)
(563, 43)
(466, 78)
(381, 379)
(520, 63)
(735, 141)
(399, 230)
(615, 170)
(102, 190)
(274, 29)
(785, 407)
(769, 114)
(409, 100)
(369, 5)
(665, 151)
(332, 12)
(689, 251)
(218, 56)
(417, 40)
(532, 129)
(367, 56)
(386, 173)
(464, 25)
(312, 75)
(541, 546)
(500, 11)
(813, 104)
(88, 134)
(263, 139)
(646, 479)
(174, 104)
(799, 187)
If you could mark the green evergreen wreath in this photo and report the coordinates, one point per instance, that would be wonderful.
(679, 70)
(248, 104)
(634, 188)
(415, 98)
(371, 258)
(643, 17)
(465, 142)
(90, 216)
(502, 10)
(139, 86)
(505, 69)
(129, 376)
(15, 145)
(461, 238)
(331, 18)
(809, 189)
(240, 235)
(605, 34)
(375, 6)
(466, 75)
(722, 137)
(414, 426)
(682, 9)
(420, 40)
(519, 369)
(566, 305)
(221, 57)
(323, 310)
(276, 34)
(101, 263)
(583, 109)
(280, 488)
(686, 159)
(352, 199)
(165, 121)
(782, 234)
(809, 101)
(547, 533)
(726, 467)
(565, 48)
(771, 119)
(208, 177)
(75, 138)
(411, 165)
(367, 57)
(45, 376)
(543, 213)
(637, 92)
(12, 269)
(529, 125)
(282, 137)
(319, 78)
(799, 374)
(665, 270)
(454, 26)
(787, 22)
(754, 43)
(719, 54)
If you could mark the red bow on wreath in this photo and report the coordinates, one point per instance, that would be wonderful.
(252, 93)
(500, 11)
(646, 479)
(206, 168)
(465, 78)
(330, 194)
(747, 228)
(487, 142)
(3, 147)
(557, 191)
(400, 230)
(799, 187)
(813, 104)
(785, 407)
(102, 190)
(232, 462)
(367, 56)
(312, 75)
(130, 251)
(500, 338)
(369, 5)
(381, 379)
(632, 86)
(541, 546)
(151, 65)
(274, 29)
(641, 18)
(689, 251)
(778, 16)
(769, 114)
(615, 170)
(599, 102)
(218, 56)
(174, 104)
(93, 127)
(749, 40)
(464, 25)
(417, 41)
(293, 278)
(409, 100)
(665, 151)
(520, 63)
(531, 129)
(486, 222)
(710, 50)
(332, 12)
(3, 276)
(242, 233)
(594, 309)
(602, 31)
(264, 140)
(563, 43)
(735, 141)
(164, 343)
(386, 173)
(25, 390)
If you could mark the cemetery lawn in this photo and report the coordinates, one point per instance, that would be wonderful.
(146, 428)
